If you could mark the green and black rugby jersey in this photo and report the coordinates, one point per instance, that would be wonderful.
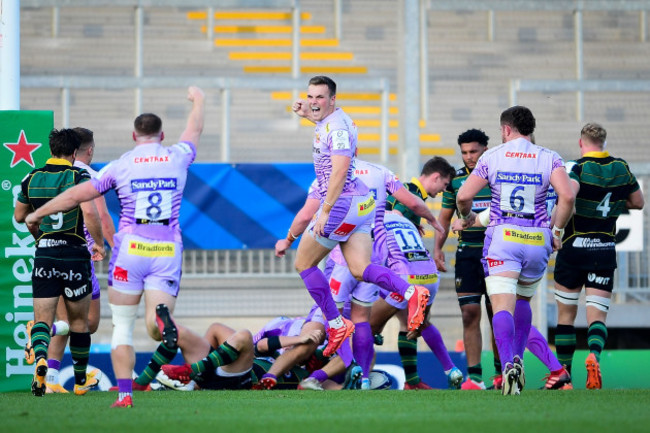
(605, 184)
(473, 236)
(415, 187)
(43, 184)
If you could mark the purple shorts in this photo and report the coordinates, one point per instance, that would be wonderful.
(140, 263)
(429, 281)
(345, 287)
(513, 248)
(350, 214)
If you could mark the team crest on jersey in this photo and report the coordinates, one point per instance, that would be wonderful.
(537, 239)
(146, 249)
(459, 282)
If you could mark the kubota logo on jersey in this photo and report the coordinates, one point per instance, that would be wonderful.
(493, 263)
(366, 207)
(335, 286)
(146, 249)
(344, 229)
(121, 274)
(521, 237)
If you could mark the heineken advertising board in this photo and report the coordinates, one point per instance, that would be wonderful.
(24, 139)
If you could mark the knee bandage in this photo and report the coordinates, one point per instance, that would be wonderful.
(599, 302)
(497, 285)
(567, 298)
(528, 290)
(123, 323)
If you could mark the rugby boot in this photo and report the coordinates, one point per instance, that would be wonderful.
(417, 305)
(167, 327)
(521, 378)
(418, 386)
(353, 376)
(38, 383)
(310, 383)
(594, 379)
(558, 379)
(92, 380)
(510, 380)
(126, 402)
(470, 385)
(29, 350)
(454, 378)
(336, 336)
(55, 388)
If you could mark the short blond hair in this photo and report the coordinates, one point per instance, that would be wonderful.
(594, 133)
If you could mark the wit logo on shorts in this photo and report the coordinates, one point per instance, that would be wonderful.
(145, 249)
(51, 274)
(76, 292)
(593, 278)
(526, 238)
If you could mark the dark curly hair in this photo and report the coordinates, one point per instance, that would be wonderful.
(472, 135)
(519, 118)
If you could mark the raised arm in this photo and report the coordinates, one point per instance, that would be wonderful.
(195, 119)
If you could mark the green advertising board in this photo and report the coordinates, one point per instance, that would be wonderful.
(24, 139)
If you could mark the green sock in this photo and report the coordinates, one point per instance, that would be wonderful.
(475, 372)
(80, 352)
(161, 356)
(222, 355)
(408, 353)
(40, 340)
(565, 345)
(596, 338)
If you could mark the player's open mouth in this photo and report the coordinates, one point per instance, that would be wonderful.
(315, 108)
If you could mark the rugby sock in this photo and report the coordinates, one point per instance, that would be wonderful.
(434, 340)
(538, 346)
(408, 353)
(475, 372)
(125, 388)
(319, 289)
(565, 344)
(319, 375)
(222, 355)
(363, 347)
(345, 352)
(53, 367)
(80, 351)
(523, 318)
(503, 325)
(596, 338)
(497, 365)
(385, 278)
(40, 340)
(161, 356)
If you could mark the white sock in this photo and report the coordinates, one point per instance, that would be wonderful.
(52, 376)
(409, 292)
(336, 323)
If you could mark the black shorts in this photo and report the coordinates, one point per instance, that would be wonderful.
(571, 277)
(210, 380)
(52, 278)
(288, 380)
(470, 277)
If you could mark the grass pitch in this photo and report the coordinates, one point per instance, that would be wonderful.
(331, 411)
